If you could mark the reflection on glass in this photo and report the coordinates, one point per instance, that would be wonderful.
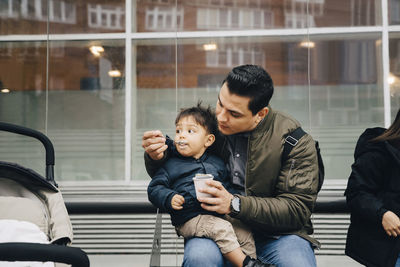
(204, 63)
(192, 15)
(343, 99)
(394, 75)
(86, 108)
(22, 83)
(346, 95)
(85, 102)
(23, 100)
(64, 16)
(394, 12)
(155, 105)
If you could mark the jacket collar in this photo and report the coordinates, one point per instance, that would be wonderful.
(264, 125)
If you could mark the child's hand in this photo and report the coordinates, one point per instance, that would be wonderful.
(177, 202)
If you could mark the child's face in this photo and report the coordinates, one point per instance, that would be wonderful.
(191, 139)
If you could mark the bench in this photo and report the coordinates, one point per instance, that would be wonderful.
(131, 225)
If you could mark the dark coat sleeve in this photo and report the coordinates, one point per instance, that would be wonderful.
(365, 185)
(159, 192)
(152, 166)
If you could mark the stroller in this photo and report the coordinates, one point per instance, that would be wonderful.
(34, 222)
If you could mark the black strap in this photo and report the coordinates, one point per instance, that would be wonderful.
(291, 141)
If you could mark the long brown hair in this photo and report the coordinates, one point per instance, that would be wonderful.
(392, 134)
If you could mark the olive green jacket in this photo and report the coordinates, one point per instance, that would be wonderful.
(279, 199)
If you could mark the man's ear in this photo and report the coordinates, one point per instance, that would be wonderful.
(210, 140)
(262, 113)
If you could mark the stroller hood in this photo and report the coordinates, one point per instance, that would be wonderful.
(26, 196)
(24, 175)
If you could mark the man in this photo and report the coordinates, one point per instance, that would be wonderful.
(275, 201)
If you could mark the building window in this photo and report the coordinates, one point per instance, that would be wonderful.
(105, 17)
(361, 12)
(8, 9)
(230, 56)
(233, 18)
(163, 18)
(394, 10)
(59, 11)
(297, 13)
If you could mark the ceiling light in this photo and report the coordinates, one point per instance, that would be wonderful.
(307, 44)
(391, 79)
(114, 73)
(96, 50)
(210, 47)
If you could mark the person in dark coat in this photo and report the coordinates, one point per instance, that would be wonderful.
(373, 196)
(172, 189)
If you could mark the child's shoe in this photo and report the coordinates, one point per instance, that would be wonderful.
(249, 262)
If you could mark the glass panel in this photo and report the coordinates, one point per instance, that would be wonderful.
(65, 16)
(86, 108)
(23, 17)
(394, 75)
(394, 12)
(23, 100)
(157, 15)
(192, 15)
(155, 105)
(204, 63)
(85, 16)
(346, 95)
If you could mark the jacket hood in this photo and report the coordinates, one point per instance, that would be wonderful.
(364, 144)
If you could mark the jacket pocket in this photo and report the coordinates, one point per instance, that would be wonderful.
(289, 182)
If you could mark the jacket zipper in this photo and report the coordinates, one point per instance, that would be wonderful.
(247, 164)
(290, 172)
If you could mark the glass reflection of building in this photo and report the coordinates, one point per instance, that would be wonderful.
(95, 74)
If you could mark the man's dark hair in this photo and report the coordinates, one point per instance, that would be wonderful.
(204, 116)
(251, 81)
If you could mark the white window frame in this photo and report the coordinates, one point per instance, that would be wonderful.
(130, 36)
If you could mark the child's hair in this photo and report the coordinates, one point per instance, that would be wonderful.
(202, 115)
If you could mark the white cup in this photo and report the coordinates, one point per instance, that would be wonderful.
(200, 183)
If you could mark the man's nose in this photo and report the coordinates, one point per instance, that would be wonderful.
(221, 116)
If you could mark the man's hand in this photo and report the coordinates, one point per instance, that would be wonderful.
(177, 202)
(391, 223)
(154, 145)
(221, 200)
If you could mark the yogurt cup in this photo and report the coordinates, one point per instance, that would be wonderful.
(200, 183)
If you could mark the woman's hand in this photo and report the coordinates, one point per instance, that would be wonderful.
(391, 224)
(177, 202)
